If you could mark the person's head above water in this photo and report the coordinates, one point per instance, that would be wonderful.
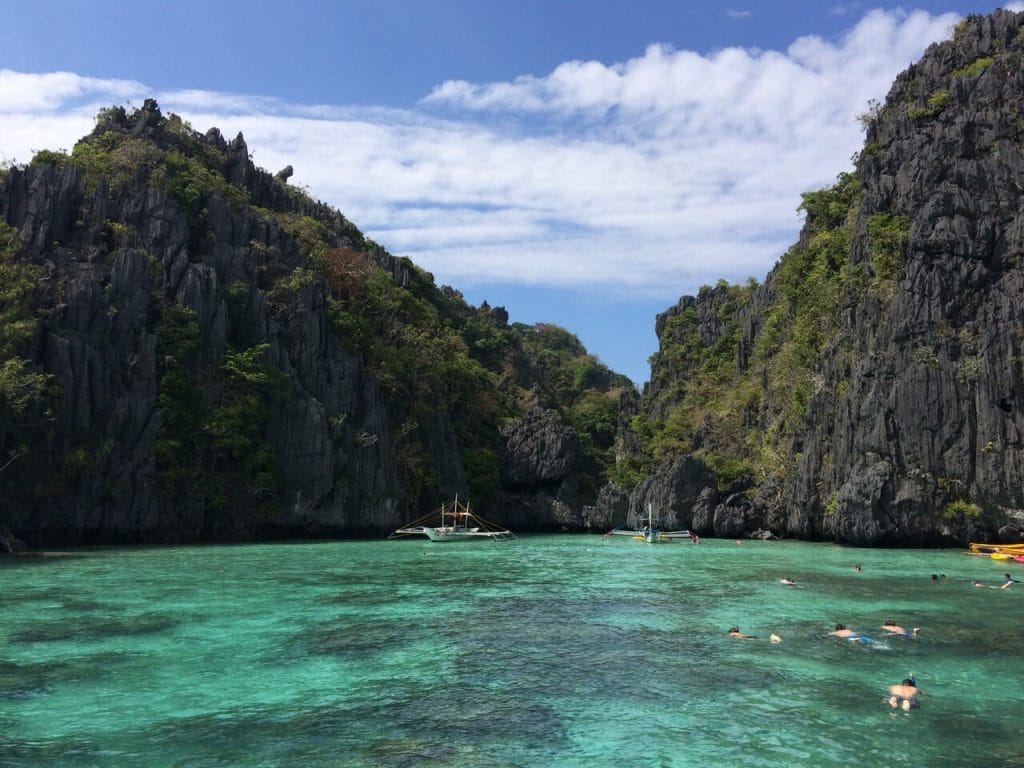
(840, 626)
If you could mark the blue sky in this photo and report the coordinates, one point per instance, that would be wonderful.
(582, 163)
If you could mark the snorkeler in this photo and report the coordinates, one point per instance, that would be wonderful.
(735, 632)
(905, 694)
(893, 628)
(1009, 581)
(787, 582)
(849, 634)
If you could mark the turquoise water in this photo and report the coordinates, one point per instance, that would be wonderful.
(549, 651)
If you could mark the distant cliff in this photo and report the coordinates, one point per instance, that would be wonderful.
(871, 391)
(191, 349)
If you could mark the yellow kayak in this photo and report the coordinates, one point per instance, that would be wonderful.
(997, 549)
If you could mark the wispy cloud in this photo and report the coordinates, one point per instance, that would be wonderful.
(735, 14)
(647, 177)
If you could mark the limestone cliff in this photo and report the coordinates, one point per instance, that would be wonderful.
(871, 391)
(217, 356)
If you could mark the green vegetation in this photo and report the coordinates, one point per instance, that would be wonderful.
(739, 407)
(58, 158)
(832, 505)
(175, 159)
(969, 369)
(974, 68)
(936, 102)
(961, 508)
(242, 458)
(180, 397)
(212, 442)
(309, 234)
(437, 357)
(26, 396)
(887, 242)
(872, 114)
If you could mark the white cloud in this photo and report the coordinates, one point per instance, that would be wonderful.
(53, 110)
(22, 93)
(732, 13)
(649, 176)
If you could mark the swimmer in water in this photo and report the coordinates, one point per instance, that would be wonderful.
(849, 634)
(904, 695)
(893, 628)
(1010, 581)
(842, 631)
(787, 582)
(735, 632)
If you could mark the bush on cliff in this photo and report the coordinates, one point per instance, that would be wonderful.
(26, 395)
(739, 410)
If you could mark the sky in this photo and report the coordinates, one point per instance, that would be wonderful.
(579, 163)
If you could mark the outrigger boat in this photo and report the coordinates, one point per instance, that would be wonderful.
(651, 533)
(454, 521)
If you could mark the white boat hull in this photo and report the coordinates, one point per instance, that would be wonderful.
(449, 534)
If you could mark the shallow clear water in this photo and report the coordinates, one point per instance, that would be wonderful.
(549, 651)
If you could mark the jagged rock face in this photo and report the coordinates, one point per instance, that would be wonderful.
(672, 494)
(913, 432)
(150, 234)
(330, 437)
(610, 511)
(9, 543)
(538, 450)
(541, 464)
(98, 341)
(934, 406)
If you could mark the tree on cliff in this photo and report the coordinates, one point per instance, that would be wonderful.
(25, 394)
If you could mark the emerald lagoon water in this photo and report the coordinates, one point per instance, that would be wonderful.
(548, 651)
